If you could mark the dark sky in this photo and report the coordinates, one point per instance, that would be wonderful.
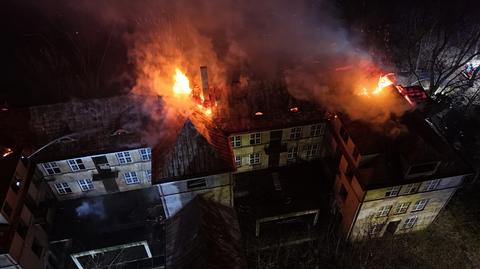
(53, 51)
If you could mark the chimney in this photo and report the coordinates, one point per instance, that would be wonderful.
(205, 88)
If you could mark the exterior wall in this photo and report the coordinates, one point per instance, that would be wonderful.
(375, 200)
(12, 199)
(360, 209)
(304, 140)
(28, 242)
(177, 194)
(71, 177)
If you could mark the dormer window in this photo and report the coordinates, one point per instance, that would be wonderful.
(423, 169)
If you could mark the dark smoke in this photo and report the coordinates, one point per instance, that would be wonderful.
(300, 42)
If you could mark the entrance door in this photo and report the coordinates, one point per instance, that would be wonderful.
(392, 227)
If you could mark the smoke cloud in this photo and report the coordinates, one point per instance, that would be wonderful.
(301, 43)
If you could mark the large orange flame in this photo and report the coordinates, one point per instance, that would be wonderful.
(182, 84)
(383, 82)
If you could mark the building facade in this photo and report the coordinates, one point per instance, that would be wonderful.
(278, 146)
(391, 185)
(24, 214)
(93, 175)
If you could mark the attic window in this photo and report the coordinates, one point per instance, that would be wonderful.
(426, 168)
(197, 183)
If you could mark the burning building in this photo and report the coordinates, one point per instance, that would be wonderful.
(394, 178)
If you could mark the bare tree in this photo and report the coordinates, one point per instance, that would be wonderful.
(436, 51)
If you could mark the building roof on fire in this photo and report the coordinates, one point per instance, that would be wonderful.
(398, 145)
(200, 149)
(265, 106)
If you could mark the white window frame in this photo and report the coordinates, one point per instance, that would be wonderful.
(295, 133)
(316, 130)
(238, 161)
(86, 184)
(256, 138)
(62, 188)
(402, 208)
(384, 211)
(124, 157)
(420, 205)
(254, 158)
(148, 175)
(75, 164)
(131, 178)
(412, 188)
(292, 154)
(410, 222)
(392, 191)
(236, 141)
(50, 168)
(432, 185)
(145, 154)
(312, 150)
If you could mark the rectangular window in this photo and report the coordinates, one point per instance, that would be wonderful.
(392, 191)
(146, 154)
(344, 134)
(312, 150)
(51, 168)
(432, 185)
(411, 188)
(254, 158)
(124, 157)
(292, 154)
(384, 210)
(316, 130)
(295, 133)
(402, 208)
(131, 178)
(422, 168)
(148, 175)
(63, 188)
(255, 139)
(238, 161)
(197, 183)
(85, 184)
(420, 205)
(76, 164)
(236, 141)
(410, 222)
